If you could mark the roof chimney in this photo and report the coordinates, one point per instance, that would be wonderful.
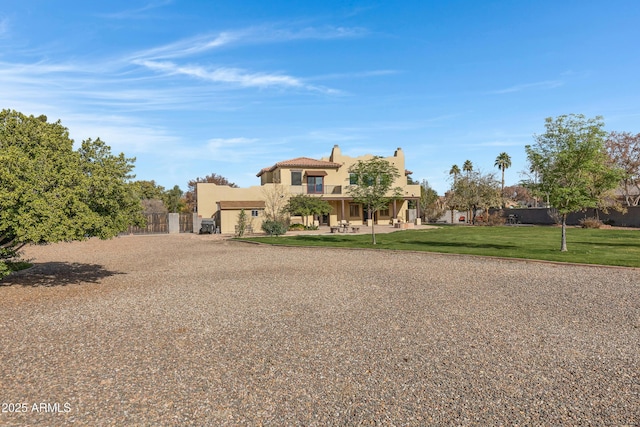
(335, 153)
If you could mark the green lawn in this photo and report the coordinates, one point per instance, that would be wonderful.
(590, 246)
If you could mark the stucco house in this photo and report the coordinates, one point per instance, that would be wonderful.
(328, 178)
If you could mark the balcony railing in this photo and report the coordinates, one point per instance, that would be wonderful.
(316, 189)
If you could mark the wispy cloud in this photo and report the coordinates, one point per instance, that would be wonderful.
(138, 12)
(247, 36)
(187, 47)
(124, 134)
(166, 59)
(225, 75)
(361, 74)
(238, 149)
(217, 144)
(234, 76)
(547, 84)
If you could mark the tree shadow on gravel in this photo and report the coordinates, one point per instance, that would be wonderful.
(51, 274)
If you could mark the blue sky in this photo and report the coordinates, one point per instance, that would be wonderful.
(191, 88)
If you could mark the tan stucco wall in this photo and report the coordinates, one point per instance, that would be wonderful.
(229, 219)
(210, 194)
(341, 176)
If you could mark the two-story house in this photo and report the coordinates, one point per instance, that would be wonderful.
(328, 178)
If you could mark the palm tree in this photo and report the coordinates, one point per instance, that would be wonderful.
(467, 167)
(455, 171)
(503, 161)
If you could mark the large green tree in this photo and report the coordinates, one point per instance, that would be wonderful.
(431, 207)
(174, 201)
(151, 196)
(50, 192)
(572, 166)
(373, 185)
(474, 191)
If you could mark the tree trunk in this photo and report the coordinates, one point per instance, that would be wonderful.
(504, 205)
(563, 245)
(373, 232)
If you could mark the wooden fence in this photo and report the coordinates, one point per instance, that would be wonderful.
(186, 223)
(158, 223)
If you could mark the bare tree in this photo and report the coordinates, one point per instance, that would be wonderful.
(275, 200)
(624, 150)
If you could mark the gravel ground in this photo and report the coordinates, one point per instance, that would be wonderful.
(197, 330)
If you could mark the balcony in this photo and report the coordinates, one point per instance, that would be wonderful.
(316, 189)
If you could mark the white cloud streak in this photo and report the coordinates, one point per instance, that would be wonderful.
(248, 36)
(234, 76)
(137, 13)
(547, 84)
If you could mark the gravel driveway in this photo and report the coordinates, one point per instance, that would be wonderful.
(194, 330)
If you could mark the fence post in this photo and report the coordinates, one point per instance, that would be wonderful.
(197, 223)
(174, 223)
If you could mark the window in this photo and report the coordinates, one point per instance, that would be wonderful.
(296, 177)
(255, 212)
(353, 179)
(354, 210)
(384, 212)
(314, 184)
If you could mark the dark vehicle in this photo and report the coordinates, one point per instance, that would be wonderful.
(208, 226)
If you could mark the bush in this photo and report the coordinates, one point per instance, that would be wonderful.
(311, 227)
(590, 222)
(495, 218)
(297, 227)
(274, 228)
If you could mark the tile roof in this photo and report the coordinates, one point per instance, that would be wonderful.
(301, 162)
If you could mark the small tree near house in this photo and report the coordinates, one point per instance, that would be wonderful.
(373, 186)
(244, 222)
(306, 206)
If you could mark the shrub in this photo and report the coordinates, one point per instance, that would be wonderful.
(243, 223)
(297, 227)
(311, 227)
(590, 222)
(274, 228)
(495, 218)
